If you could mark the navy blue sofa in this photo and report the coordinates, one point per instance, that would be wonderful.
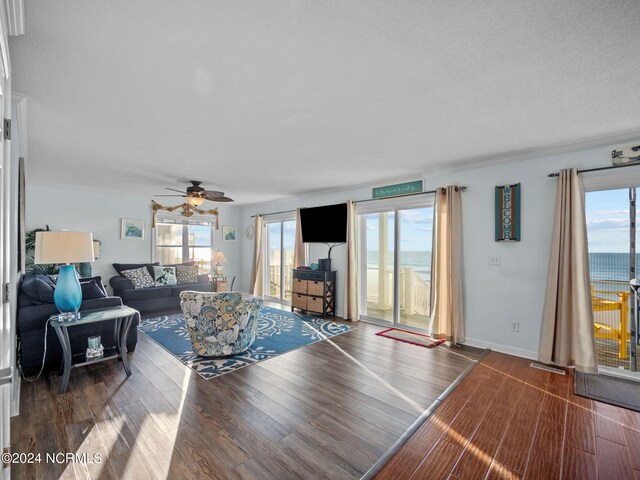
(152, 298)
(35, 306)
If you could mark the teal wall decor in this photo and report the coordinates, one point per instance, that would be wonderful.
(397, 189)
(508, 213)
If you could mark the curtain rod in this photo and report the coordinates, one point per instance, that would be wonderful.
(273, 213)
(599, 168)
(462, 189)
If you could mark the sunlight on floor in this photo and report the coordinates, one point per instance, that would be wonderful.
(173, 435)
(462, 441)
(564, 399)
(418, 408)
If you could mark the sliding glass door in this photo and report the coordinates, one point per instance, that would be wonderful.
(378, 261)
(280, 237)
(395, 262)
(415, 234)
(613, 261)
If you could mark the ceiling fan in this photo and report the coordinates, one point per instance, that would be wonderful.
(196, 195)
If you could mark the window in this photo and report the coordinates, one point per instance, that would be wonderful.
(394, 255)
(179, 241)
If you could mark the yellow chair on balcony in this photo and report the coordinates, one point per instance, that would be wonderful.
(602, 330)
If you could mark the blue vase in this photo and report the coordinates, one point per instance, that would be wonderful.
(68, 294)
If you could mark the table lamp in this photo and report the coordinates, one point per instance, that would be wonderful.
(67, 248)
(218, 257)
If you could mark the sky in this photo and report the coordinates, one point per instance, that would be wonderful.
(607, 213)
(416, 228)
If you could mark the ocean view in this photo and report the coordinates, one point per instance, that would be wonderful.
(611, 266)
(420, 261)
(602, 266)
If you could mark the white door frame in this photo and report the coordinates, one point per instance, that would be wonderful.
(8, 256)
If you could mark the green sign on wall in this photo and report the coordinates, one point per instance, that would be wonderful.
(398, 189)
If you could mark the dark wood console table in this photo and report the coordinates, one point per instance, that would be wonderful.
(314, 291)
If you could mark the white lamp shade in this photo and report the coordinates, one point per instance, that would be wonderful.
(64, 247)
(218, 257)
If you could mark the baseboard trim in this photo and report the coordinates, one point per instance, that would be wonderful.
(382, 461)
(498, 347)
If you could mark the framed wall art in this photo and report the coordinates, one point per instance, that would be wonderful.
(132, 229)
(229, 234)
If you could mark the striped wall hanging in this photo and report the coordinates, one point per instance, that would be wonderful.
(508, 213)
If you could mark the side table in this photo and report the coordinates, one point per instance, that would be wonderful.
(220, 283)
(122, 317)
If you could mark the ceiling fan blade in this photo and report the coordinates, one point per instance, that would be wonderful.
(220, 199)
(211, 193)
(169, 195)
(174, 190)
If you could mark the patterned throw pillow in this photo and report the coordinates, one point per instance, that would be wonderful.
(140, 277)
(165, 276)
(187, 274)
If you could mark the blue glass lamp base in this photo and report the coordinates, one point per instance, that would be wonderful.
(68, 295)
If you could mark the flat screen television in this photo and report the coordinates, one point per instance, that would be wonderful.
(326, 224)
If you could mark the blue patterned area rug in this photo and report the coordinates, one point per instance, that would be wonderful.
(279, 331)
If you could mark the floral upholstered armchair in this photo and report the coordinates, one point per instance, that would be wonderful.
(220, 324)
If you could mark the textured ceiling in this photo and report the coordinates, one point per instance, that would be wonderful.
(264, 99)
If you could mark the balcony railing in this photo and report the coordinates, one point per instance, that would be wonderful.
(415, 292)
(611, 302)
(275, 280)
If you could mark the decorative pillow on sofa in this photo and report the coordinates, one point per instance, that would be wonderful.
(139, 277)
(120, 267)
(187, 274)
(165, 275)
(38, 287)
(92, 288)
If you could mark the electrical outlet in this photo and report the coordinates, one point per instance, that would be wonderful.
(494, 260)
(515, 326)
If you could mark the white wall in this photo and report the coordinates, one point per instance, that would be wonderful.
(100, 212)
(493, 296)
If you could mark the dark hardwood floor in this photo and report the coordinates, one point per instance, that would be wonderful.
(328, 410)
(506, 420)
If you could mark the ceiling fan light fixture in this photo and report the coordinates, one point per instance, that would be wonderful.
(195, 201)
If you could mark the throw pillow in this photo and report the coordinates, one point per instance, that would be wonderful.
(38, 287)
(139, 277)
(91, 290)
(165, 275)
(187, 274)
(98, 282)
(120, 267)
